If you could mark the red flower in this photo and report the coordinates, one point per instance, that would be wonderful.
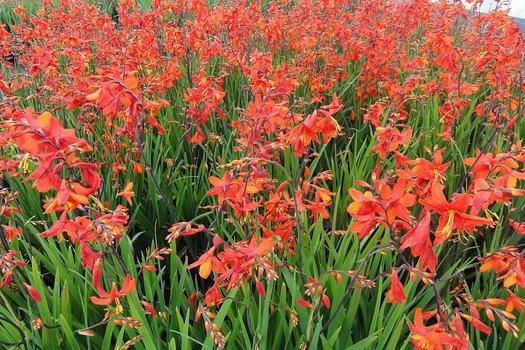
(33, 293)
(149, 308)
(454, 218)
(396, 292)
(128, 286)
(436, 337)
(206, 262)
(418, 239)
(127, 193)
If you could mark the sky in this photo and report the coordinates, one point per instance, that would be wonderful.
(517, 7)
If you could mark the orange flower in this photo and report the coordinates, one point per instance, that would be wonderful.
(127, 193)
(213, 297)
(396, 292)
(206, 262)
(453, 217)
(368, 209)
(11, 232)
(128, 286)
(513, 302)
(418, 239)
(304, 303)
(436, 337)
(389, 139)
(66, 199)
(33, 293)
(149, 308)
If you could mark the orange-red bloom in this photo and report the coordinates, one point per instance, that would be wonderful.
(106, 298)
(453, 217)
(33, 293)
(127, 193)
(396, 292)
(128, 286)
(436, 337)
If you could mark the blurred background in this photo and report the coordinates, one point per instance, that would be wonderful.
(516, 9)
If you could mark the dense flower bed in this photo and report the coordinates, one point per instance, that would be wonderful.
(309, 174)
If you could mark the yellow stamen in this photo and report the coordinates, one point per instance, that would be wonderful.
(24, 164)
(447, 229)
(119, 309)
(438, 176)
(97, 202)
(491, 215)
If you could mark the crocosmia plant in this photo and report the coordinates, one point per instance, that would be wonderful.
(328, 174)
